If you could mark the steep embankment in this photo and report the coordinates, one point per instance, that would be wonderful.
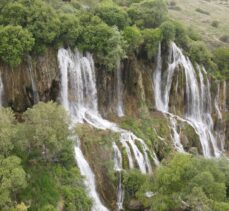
(208, 17)
(42, 80)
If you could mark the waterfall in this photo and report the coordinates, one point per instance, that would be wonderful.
(119, 91)
(198, 102)
(89, 178)
(32, 76)
(75, 104)
(176, 136)
(161, 101)
(1, 91)
(78, 95)
(118, 168)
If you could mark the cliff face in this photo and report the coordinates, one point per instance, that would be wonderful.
(37, 79)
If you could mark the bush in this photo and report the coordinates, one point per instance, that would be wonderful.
(14, 43)
(215, 24)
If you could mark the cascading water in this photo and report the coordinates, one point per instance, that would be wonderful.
(1, 90)
(176, 136)
(159, 100)
(66, 64)
(118, 168)
(119, 90)
(79, 97)
(198, 109)
(89, 178)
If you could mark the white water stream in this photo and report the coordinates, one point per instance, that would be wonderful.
(198, 102)
(79, 97)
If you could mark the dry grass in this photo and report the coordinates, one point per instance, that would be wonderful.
(200, 14)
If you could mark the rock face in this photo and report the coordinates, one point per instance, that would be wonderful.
(35, 79)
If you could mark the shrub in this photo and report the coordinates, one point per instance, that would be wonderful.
(14, 43)
(215, 24)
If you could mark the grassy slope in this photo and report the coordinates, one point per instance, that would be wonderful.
(218, 11)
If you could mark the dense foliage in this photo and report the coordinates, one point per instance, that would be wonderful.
(183, 183)
(36, 163)
(111, 30)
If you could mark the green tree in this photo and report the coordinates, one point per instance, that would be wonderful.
(152, 38)
(112, 14)
(106, 42)
(196, 181)
(69, 30)
(148, 13)
(46, 128)
(14, 43)
(12, 180)
(168, 31)
(14, 13)
(199, 53)
(7, 131)
(221, 58)
(133, 36)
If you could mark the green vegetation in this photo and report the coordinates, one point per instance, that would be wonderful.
(37, 168)
(15, 42)
(221, 58)
(183, 182)
(111, 30)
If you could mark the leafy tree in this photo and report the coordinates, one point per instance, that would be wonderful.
(148, 13)
(14, 43)
(152, 37)
(196, 183)
(69, 30)
(199, 53)
(106, 42)
(112, 14)
(7, 131)
(14, 13)
(12, 180)
(133, 36)
(221, 58)
(46, 128)
(168, 31)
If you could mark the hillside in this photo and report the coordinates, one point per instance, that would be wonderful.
(113, 105)
(209, 17)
